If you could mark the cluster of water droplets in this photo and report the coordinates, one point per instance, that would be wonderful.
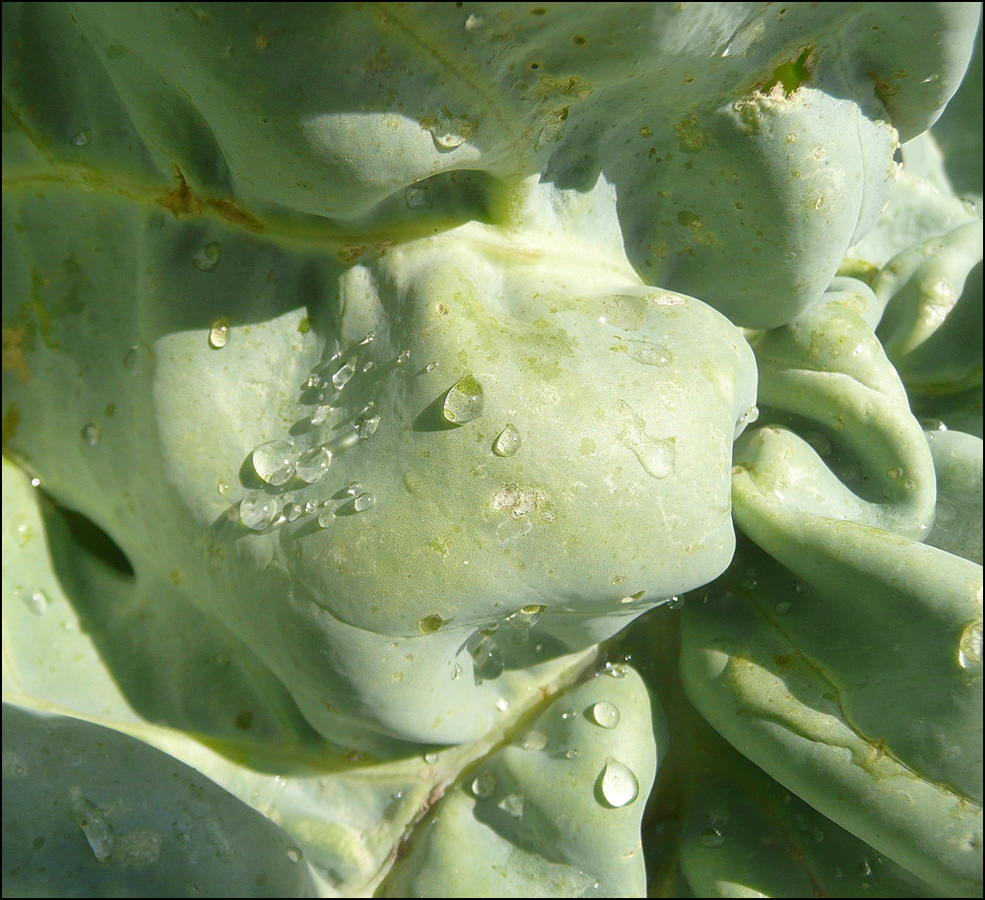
(486, 647)
(290, 467)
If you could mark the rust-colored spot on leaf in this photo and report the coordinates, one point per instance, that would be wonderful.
(13, 356)
(182, 201)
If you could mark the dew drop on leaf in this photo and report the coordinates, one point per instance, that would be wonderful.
(294, 854)
(274, 461)
(81, 138)
(970, 648)
(207, 258)
(313, 464)
(366, 423)
(343, 374)
(325, 520)
(257, 510)
(90, 434)
(363, 502)
(533, 740)
(464, 401)
(484, 785)
(219, 334)
(618, 784)
(675, 602)
(605, 714)
(512, 805)
(508, 442)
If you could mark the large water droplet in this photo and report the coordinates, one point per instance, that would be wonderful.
(343, 374)
(464, 401)
(207, 258)
(487, 661)
(416, 197)
(605, 714)
(430, 624)
(508, 442)
(970, 648)
(366, 423)
(257, 510)
(274, 461)
(618, 784)
(649, 354)
(483, 785)
(512, 805)
(35, 600)
(219, 334)
(313, 464)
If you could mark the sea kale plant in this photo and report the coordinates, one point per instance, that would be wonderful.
(492, 449)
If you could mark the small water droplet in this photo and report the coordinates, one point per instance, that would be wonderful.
(310, 506)
(430, 367)
(782, 608)
(292, 511)
(487, 661)
(81, 138)
(970, 648)
(655, 455)
(131, 362)
(615, 670)
(326, 519)
(207, 258)
(473, 22)
(312, 465)
(508, 442)
(605, 714)
(36, 601)
(90, 434)
(571, 754)
(675, 602)
(219, 334)
(502, 704)
(257, 510)
(618, 784)
(483, 785)
(448, 132)
(274, 461)
(534, 741)
(568, 714)
(416, 197)
(865, 868)
(366, 423)
(456, 672)
(512, 805)
(353, 488)
(464, 401)
(431, 624)
(363, 502)
(320, 414)
(430, 758)
(35, 482)
(294, 854)
(343, 374)
(711, 837)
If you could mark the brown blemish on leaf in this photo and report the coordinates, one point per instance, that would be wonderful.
(182, 201)
(13, 358)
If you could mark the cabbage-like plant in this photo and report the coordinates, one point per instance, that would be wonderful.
(383, 385)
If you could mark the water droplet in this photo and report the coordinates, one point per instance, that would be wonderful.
(416, 197)
(313, 464)
(430, 367)
(615, 670)
(430, 624)
(99, 833)
(568, 714)
(534, 740)
(294, 854)
(571, 754)
(512, 805)
(448, 132)
(895, 473)
(81, 138)
(508, 442)
(970, 648)
(782, 608)
(292, 511)
(219, 334)
(363, 502)
(90, 434)
(36, 601)
(473, 22)
(605, 714)
(257, 510)
(430, 758)
(464, 401)
(343, 374)
(484, 785)
(487, 661)
(320, 414)
(649, 354)
(207, 258)
(456, 672)
(655, 455)
(530, 614)
(618, 784)
(865, 868)
(274, 461)
(326, 519)
(353, 488)
(675, 602)
(35, 482)
(711, 837)
(366, 423)
(502, 704)
(310, 506)
(131, 362)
